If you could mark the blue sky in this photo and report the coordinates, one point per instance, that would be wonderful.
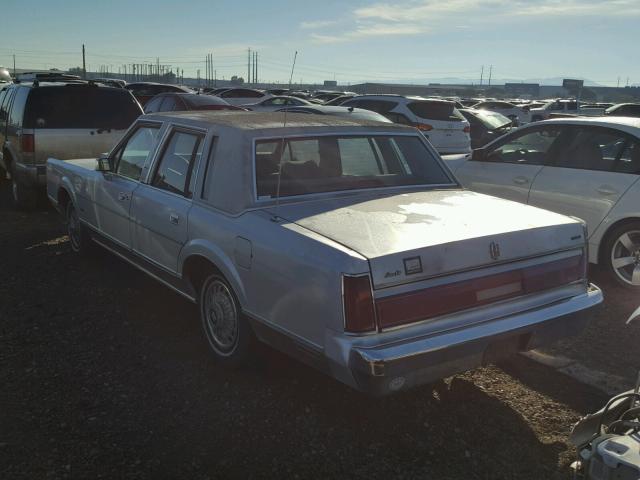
(389, 40)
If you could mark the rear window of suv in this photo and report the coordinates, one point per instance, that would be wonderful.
(80, 107)
(443, 111)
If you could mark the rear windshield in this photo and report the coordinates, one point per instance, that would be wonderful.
(327, 164)
(492, 120)
(436, 111)
(80, 107)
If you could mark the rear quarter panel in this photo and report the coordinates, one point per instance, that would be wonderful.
(293, 278)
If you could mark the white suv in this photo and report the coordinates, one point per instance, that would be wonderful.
(439, 120)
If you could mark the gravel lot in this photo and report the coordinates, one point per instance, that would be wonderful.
(104, 374)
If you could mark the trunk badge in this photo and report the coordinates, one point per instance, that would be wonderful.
(412, 265)
(494, 250)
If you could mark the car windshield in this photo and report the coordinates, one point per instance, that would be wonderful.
(334, 163)
(80, 107)
(492, 120)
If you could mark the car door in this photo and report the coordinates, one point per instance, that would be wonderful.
(589, 174)
(115, 190)
(160, 207)
(507, 168)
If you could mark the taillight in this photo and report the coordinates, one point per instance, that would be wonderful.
(28, 143)
(467, 129)
(424, 127)
(449, 298)
(553, 274)
(359, 313)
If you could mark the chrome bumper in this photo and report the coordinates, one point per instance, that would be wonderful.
(384, 369)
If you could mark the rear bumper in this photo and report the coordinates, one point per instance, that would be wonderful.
(31, 175)
(384, 369)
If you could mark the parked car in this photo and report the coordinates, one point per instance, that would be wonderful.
(214, 91)
(624, 110)
(145, 91)
(337, 101)
(519, 115)
(347, 112)
(346, 244)
(178, 102)
(583, 167)
(111, 82)
(240, 96)
(5, 76)
(485, 125)
(439, 120)
(554, 106)
(62, 119)
(276, 103)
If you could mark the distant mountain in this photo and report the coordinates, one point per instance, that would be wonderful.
(554, 81)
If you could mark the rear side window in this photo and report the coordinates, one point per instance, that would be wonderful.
(80, 107)
(176, 165)
(436, 111)
(18, 107)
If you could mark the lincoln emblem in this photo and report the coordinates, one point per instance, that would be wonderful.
(494, 250)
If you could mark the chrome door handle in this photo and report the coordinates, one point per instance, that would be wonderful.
(123, 196)
(175, 219)
(606, 190)
(521, 180)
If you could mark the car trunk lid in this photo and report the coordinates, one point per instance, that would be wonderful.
(414, 236)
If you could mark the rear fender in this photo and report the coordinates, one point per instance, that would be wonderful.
(217, 257)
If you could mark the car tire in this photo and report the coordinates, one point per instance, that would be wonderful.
(225, 327)
(621, 255)
(22, 196)
(79, 237)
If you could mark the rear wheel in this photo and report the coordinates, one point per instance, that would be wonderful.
(622, 255)
(226, 329)
(23, 196)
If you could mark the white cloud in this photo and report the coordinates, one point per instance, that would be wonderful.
(415, 17)
(318, 24)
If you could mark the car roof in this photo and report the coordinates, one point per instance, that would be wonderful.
(415, 98)
(628, 124)
(252, 121)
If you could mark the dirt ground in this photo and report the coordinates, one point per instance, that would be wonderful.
(104, 374)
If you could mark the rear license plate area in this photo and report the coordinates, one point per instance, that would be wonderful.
(505, 347)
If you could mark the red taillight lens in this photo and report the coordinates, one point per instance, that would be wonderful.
(553, 274)
(467, 129)
(424, 127)
(444, 299)
(359, 314)
(28, 143)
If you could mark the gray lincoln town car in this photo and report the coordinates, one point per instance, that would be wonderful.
(347, 244)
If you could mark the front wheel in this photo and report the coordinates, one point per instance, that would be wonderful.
(226, 329)
(622, 255)
(78, 235)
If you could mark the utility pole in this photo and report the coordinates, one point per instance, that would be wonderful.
(248, 65)
(84, 64)
(215, 78)
(14, 66)
(255, 70)
(490, 72)
(617, 86)
(481, 74)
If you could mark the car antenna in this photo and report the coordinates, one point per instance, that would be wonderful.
(275, 217)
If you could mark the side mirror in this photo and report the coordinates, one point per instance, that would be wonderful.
(479, 155)
(104, 164)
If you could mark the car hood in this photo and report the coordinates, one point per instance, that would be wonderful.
(449, 230)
